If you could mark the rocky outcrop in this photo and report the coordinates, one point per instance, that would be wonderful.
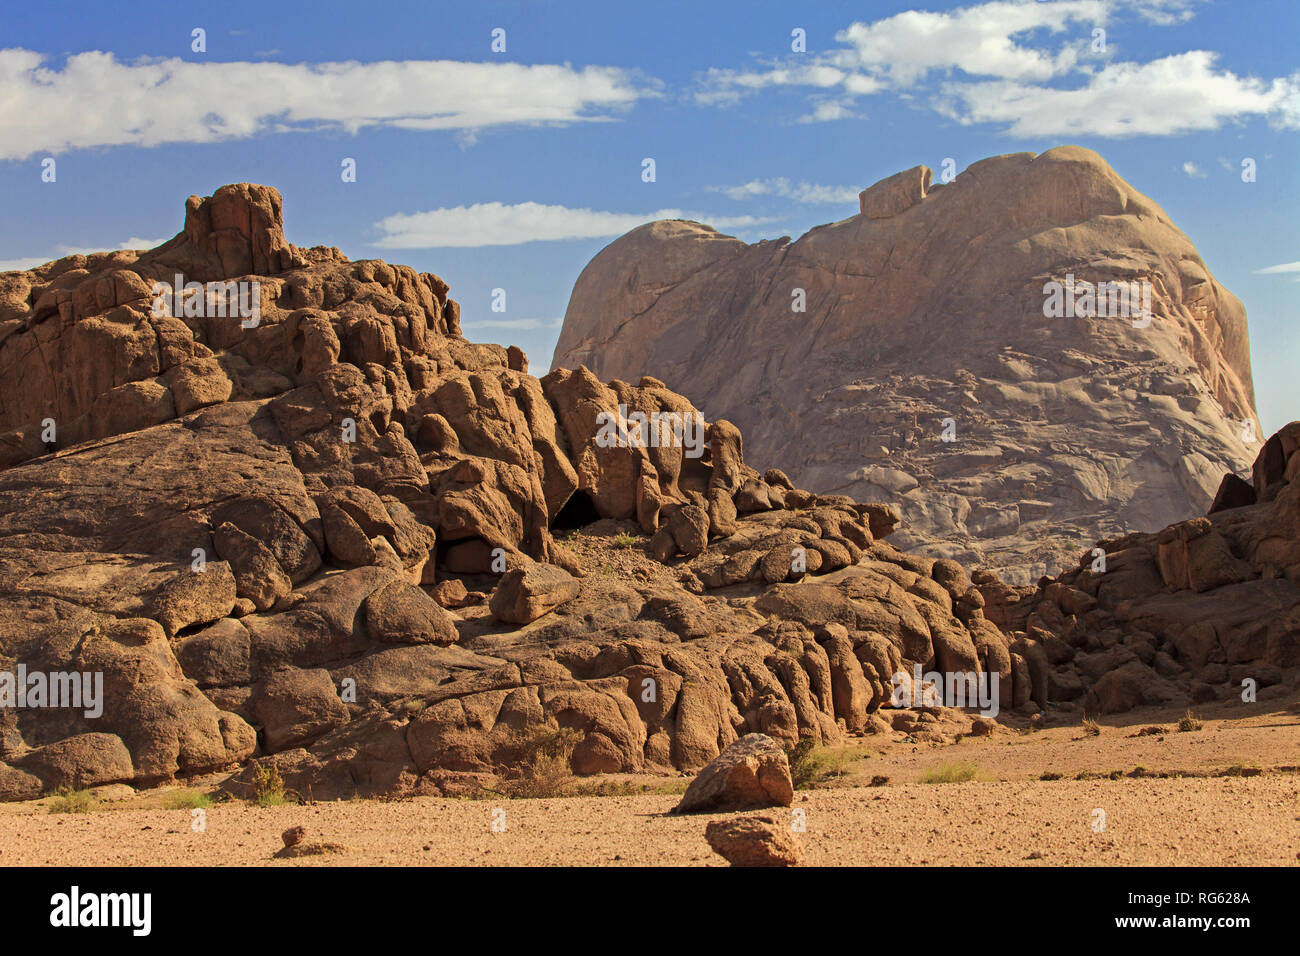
(1206, 609)
(347, 544)
(907, 353)
(322, 534)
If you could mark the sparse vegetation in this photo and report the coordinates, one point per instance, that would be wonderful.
(546, 767)
(955, 772)
(601, 787)
(73, 800)
(624, 540)
(187, 800)
(1090, 727)
(268, 787)
(624, 788)
(811, 765)
(1240, 770)
(1189, 723)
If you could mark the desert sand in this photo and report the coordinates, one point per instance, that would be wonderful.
(1238, 804)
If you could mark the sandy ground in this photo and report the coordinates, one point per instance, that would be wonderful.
(1007, 814)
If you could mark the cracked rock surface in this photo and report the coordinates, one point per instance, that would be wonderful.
(843, 354)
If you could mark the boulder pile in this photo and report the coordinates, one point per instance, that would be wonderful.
(1206, 609)
(275, 502)
(264, 508)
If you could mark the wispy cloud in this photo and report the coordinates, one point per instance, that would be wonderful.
(95, 100)
(811, 193)
(504, 224)
(22, 265)
(728, 86)
(1165, 13)
(1191, 169)
(31, 262)
(1275, 270)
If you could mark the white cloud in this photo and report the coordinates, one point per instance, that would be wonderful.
(800, 192)
(1274, 270)
(22, 265)
(827, 112)
(95, 100)
(979, 40)
(1191, 169)
(1026, 65)
(898, 51)
(1175, 94)
(503, 224)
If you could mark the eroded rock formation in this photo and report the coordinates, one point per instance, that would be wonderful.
(274, 531)
(337, 539)
(1206, 609)
(842, 355)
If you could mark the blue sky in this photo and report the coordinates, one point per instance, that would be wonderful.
(545, 142)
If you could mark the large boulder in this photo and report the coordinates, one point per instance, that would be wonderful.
(525, 594)
(403, 613)
(296, 706)
(752, 772)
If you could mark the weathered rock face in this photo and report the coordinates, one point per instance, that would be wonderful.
(752, 772)
(330, 546)
(930, 305)
(1184, 615)
(273, 532)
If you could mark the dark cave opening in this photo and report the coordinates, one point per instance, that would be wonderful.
(577, 512)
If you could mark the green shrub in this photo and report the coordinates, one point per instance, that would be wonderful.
(811, 764)
(956, 772)
(268, 786)
(187, 800)
(73, 800)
